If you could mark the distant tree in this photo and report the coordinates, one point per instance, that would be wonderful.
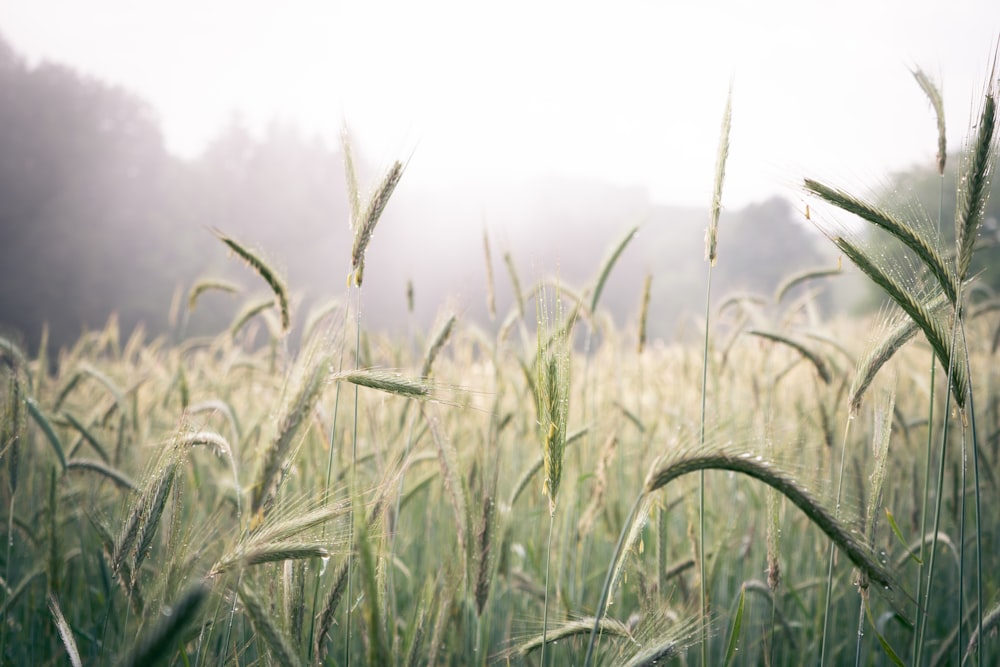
(97, 217)
(763, 243)
(82, 168)
(759, 246)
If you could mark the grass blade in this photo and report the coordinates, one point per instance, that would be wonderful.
(734, 631)
(50, 434)
(609, 263)
(924, 248)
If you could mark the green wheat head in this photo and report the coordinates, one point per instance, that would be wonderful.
(552, 392)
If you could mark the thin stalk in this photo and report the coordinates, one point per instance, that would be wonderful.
(861, 634)
(703, 585)
(979, 527)
(232, 619)
(927, 459)
(354, 479)
(545, 610)
(711, 255)
(921, 633)
(922, 628)
(609, 578)
(770, 642)
(329, 478)
(957, 328)
(6, 576)
(961, 542)
(923, 510)
(833, 550)
(661, 550)
(390, 578)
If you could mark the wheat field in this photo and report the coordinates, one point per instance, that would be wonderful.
(553, 489)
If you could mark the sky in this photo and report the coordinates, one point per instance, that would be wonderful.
(483, 94)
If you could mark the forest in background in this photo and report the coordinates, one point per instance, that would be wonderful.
(97, 217)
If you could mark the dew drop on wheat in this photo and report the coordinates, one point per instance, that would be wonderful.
(167, 610)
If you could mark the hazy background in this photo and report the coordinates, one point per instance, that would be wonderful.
(127, 129)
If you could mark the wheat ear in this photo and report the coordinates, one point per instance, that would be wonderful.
(937, 103)
(974, 185)
(264, 270)
(207, 284)
(758, 468)
(365, 227)
(919, 244)
(277, 455)
(920, 311)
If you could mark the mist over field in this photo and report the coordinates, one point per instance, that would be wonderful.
(100, 218)
(553, 135)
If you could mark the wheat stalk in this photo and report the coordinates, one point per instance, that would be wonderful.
(572, 628)
(812, 357)
(712, 233)
(925, 249)
(491, 300)
(937, 103)
(264, 270)
(275, 459)
(208, 284)
(385, 381)
(974, 185)
(365, 227)
(100, 467)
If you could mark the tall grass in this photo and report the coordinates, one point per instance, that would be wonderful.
(208, 501)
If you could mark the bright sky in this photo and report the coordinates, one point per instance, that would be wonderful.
(630, 92)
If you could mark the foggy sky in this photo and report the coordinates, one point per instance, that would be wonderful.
(474, 93)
